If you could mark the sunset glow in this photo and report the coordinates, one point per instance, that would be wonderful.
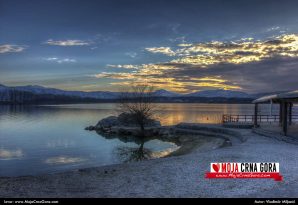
(184, 52)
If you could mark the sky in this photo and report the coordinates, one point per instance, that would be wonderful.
(178, 45)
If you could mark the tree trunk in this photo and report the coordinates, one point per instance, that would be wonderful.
(141, 154)
(142, 130)
(141, 147)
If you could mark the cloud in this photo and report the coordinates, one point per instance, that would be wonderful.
(61, 60)
(246, 39)
(123, 66)
(9, 48)
(164, 50)
(51, 59)
(68, 43)
(119, 76)
(178, 39)
(274, 28)
(131, 54)
(247, 64)
(159, 76)
(184, 45)
(244, 51)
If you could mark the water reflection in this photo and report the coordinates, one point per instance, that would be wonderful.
(174, 113)
(7, 154)
(47, 139)
(64, 160)
(129, 154)
(52, 139)
(60, 143)
(200, 113)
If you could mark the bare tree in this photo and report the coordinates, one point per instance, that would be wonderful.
(137, 102)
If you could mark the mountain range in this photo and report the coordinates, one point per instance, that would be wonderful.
(37, 94)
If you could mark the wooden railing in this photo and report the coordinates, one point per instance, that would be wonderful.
(250, 118)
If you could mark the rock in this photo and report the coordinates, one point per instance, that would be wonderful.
(108, 122)
(125, 124)
(123, 131)
(123, 120)
(90, 128)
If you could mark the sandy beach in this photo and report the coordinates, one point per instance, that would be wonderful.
(176, 176)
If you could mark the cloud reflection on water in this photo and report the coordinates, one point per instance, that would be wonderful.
(7, 154)
(64, 160)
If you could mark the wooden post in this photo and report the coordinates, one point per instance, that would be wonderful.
(271, 103)
(280, 113)
(256, 115)
(285, 118)
(290, 113)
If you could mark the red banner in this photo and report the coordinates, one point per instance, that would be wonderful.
(256, 175)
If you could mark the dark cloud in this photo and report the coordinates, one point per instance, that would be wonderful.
(263, 76)
(253, 66)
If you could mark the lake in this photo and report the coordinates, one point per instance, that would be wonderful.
(46, 139)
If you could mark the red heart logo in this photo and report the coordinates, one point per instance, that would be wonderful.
(215, 167)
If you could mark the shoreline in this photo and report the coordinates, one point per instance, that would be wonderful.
(186, 142)
(175, 176)
(191, 143)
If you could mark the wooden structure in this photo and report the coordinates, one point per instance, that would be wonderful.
(250, 119)
(285, 101)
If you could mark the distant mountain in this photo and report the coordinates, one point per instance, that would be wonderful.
(165, 93)
(219, 94)
(52, 91)
(43, 95)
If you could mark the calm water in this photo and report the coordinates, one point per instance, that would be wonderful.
(45, 139)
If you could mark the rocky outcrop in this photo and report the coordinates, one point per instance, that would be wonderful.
(108, 122)
(126, 119)
(123, 124)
